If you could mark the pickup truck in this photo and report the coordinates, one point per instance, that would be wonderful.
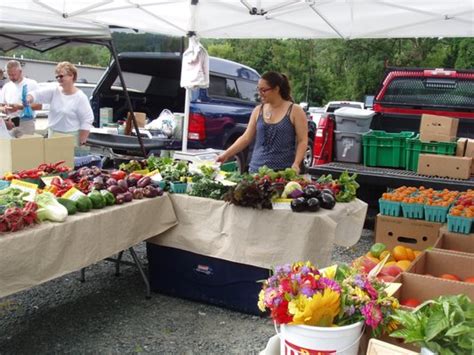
(403, 96)
(218, 114)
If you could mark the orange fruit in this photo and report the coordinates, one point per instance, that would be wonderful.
(384, 254)
(410, 254)
(416, 252)
(390, 263)
(450, 277)
(469, 279)
(400, 253)
(374, 259)
(404, 264)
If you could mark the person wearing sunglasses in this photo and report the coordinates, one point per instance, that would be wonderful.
(13, 97)
(69, 109)
(278, 127)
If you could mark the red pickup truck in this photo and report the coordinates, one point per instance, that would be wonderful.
(403, 96)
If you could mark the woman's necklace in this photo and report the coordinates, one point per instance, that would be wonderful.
(267, 115)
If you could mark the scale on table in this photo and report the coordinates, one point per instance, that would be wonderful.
(197, 155)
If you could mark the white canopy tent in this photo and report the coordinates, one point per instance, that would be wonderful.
(347, 19)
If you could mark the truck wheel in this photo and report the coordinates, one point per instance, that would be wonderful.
(308, 156)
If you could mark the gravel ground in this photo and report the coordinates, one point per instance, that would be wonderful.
(109, 314)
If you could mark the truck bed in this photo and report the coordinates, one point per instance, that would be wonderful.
(386, 177)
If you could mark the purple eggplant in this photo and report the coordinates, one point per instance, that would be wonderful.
(137, 193)
(115, 189)
(127, 196)
(144, 181)
(119, 199)
(111, 182)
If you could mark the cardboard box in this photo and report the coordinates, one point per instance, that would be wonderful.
(438, 262)
(21, 153)
(461, 146)
(59, 147)
(454, 242)
(438, 128)
(379, 347)
(106, 115)
(425, 288)
(413, 233)
(469, 152)
(444, 166)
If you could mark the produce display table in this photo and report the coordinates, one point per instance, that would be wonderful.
(262, 238)
(50, 250)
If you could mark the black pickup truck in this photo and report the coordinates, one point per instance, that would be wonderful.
(218, 114)
(403, 96)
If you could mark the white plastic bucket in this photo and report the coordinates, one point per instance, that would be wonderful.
(309, 340)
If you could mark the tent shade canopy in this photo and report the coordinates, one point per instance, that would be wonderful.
(270, 18)
(42, 31)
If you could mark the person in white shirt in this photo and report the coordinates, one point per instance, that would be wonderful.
(69, 109)
(11, 99)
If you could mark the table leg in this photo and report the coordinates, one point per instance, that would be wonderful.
(142, 272)
(82, 278)
(117, 263)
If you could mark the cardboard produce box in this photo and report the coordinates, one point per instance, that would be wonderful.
(379, 347)
(21, 153)
(438, 128)
(469, 152)
(444, 166)
(455, 242)
(413, 233)
(434, 263)
(59, 147)
(461, 146)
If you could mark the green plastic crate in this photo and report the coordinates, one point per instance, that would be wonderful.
(178, 187)
(229, 167)
(415, 147)
(389, 208)
(412, 210)
(436, 213)
(385, 149)
(459, 224)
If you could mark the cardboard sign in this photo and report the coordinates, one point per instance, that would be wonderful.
(24, 186)
(73, 194)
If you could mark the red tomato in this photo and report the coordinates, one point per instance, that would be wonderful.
(410, 302)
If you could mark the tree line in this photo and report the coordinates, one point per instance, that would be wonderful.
(320, 70)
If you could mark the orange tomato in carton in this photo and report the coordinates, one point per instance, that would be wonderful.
(404, 264)
(450, 277)
(410, 254)
(400, 253)
(469, 279)
(410, 302)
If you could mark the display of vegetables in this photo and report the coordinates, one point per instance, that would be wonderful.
(251, 194)
(311, 199)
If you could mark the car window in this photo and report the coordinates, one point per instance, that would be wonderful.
(137, 82)
(248, 90)
(430, 91)
(219, 86)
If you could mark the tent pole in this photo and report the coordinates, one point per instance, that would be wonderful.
(127, 98)
(187, 103)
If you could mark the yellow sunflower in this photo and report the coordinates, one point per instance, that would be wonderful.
(318, 310)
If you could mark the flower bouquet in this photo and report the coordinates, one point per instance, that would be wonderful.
(300, 294)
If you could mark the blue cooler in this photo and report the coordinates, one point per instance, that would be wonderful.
(183, 274)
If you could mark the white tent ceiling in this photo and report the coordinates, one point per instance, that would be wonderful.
(270, 18)
(42, 31)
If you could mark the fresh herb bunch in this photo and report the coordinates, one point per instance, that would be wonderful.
(251, 194)
(444, 326)
(11, 197)
(133, 165)
(206, 187)
(170, 170)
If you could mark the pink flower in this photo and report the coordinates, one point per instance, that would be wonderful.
(372, 314)
(371, 290)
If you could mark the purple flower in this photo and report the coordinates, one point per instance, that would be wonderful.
(349, 310)
(358, 281)
(307, 291)
(305, 270)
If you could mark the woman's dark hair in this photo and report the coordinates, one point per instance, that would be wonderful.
(275, 79)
